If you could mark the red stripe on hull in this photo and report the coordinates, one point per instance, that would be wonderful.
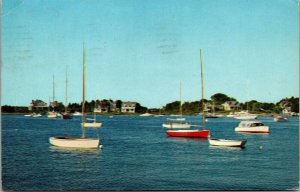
(200, 133)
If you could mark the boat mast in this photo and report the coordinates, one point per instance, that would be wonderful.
(83, 92)
(180, 106)
(53, 94)
(66, 89)
(202, 83)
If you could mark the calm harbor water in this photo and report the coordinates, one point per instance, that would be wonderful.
(138, 155)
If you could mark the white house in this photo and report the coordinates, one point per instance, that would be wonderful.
(230, 105)
(128, 107)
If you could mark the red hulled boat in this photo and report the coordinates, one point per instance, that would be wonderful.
(188, 133)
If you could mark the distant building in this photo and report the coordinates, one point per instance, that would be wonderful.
(106, 106)
(37, 104)
(128, 107)
(286, 106)
(231, 105)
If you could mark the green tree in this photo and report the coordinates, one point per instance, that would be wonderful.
(220, 98)
(140, 109)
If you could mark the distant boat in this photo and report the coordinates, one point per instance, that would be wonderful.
(252, 127)
(176, 125)
(66, 114)
(227, 143)
(281, 119)
(197, 132)
(171, 125)
(77, 113)
(36, 115)
(177, 119)
(244, 115)
(52, 114)
(146, 115)
(210, 115)
(77, 142)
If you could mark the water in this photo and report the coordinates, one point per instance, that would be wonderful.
(138, 155)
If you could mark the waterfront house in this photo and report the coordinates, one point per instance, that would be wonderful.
(38, 105)
(231, 105)
(128, 107)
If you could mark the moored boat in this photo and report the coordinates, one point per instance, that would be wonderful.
(193, 133)
(77, 114)
(52, 115)
(176, 125)
(83, 141)
(92, 125)
(188, 133)
(252, 127)
(281, 119)
(73, 142)
(227, 143)
(244, 115)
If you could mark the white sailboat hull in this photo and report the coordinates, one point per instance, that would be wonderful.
(52, 116)
(227, 143)
(92, 125)
(75, 142)
(174, 125)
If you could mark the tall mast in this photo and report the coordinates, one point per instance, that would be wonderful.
(66, 89)
(83, 92)
(202, 85)
(53, 98)
(180, 107)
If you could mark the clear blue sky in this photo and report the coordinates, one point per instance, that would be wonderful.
(140, 50)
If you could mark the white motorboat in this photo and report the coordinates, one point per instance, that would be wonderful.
(252, 127)
(227, 143)
(281, 119)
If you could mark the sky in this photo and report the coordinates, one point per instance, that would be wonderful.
(141, 50)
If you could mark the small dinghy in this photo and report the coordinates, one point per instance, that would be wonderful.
(227, 143)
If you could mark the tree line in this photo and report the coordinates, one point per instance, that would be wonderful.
(188, 108)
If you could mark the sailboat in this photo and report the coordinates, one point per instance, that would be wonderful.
(52, 114)
(76, 142)
(197, 132)
(93, 124)
(66, 114)
(179, 120)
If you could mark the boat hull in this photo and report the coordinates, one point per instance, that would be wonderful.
(188, 133)
(92, 125)
(281, 119)
(261, 129)
(176, 125)
(227, 143)
(75, 142)
(67, 116)
(250, 117)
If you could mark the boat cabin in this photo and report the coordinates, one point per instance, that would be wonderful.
(251, 124)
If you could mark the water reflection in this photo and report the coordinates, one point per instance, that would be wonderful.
(186, 139)
(79, 151)
(226, 148)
